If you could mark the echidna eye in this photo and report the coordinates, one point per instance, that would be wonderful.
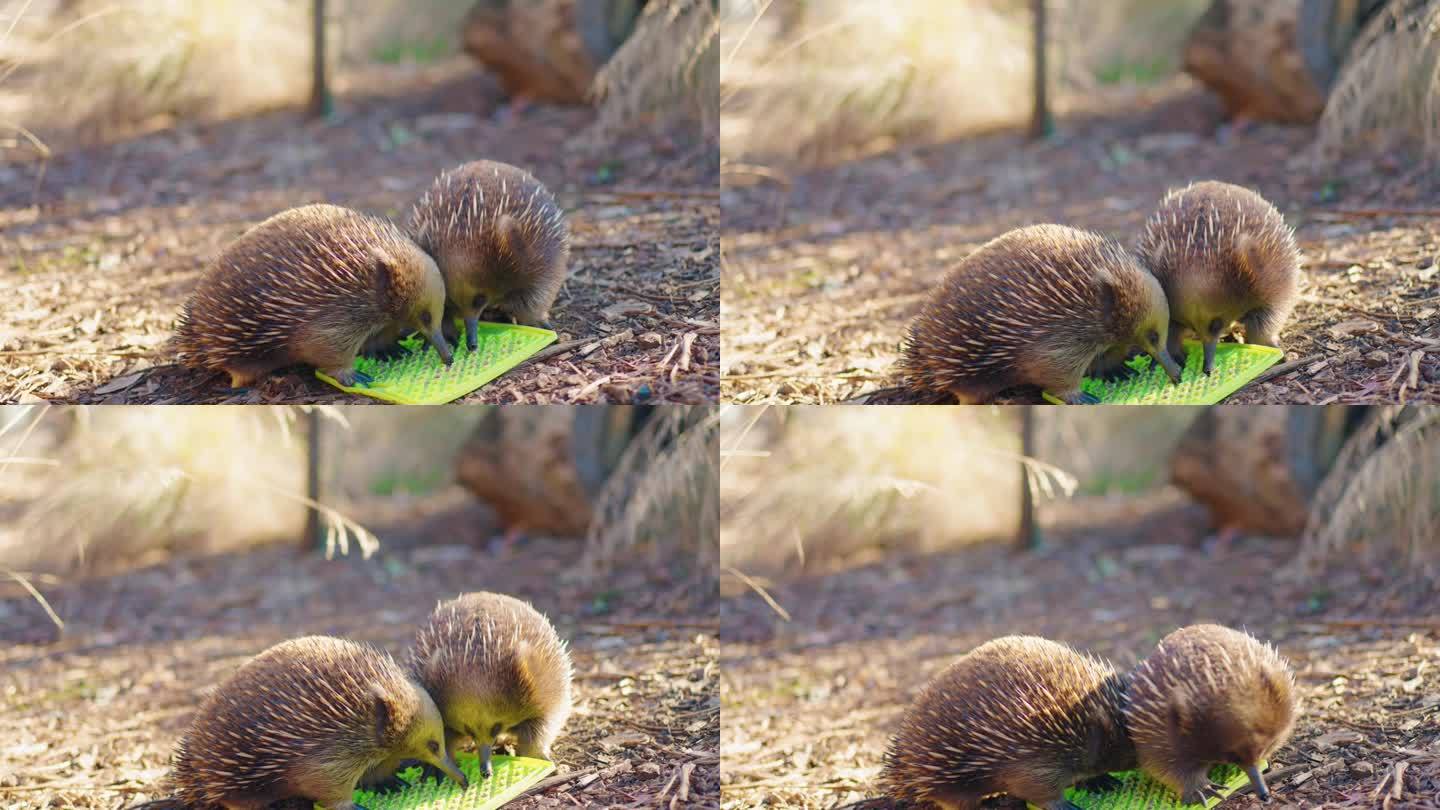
(479, 300)
(1154, 337)
(425, 318)
(1215, 326)
(433, 746)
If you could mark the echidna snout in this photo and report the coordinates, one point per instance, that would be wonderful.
(428, 314)
(1153, 333)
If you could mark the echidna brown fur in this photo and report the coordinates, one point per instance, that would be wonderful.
(1035, 306)
(307, 719)
(1022, 716)
(498, 671)
(310, 285)
(500, 240)
(1224, 256)
(1209, 695)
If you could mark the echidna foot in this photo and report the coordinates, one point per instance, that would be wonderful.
(1099, 784)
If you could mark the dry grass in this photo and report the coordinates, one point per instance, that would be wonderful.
(101, 68)
(1389, 88)
(149, 59)
(127, 484)
(840, 78)
(668, 68)
(663, 495)
(856, 72)
(825, 484)
(1381, 500)
(806, 487)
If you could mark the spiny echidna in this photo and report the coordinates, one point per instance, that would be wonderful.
(1035, 306)
(1209, 695)
(308, 719)
(497, 670)
(1019, 715)
(314, 285)
(500, 240)
(1223, 254)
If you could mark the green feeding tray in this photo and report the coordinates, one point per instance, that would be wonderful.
(418, 377)
(1235, 365)
(511, 777)
(1139, 792)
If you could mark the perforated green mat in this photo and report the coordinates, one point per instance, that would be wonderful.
(1139, 792)
(1235, 365)
(511, 777)
(418, 377)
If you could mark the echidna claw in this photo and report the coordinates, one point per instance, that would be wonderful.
(390, 785)
(1203, 793)
(1116, 374)
(1100, 784)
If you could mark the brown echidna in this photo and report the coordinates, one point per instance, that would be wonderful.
(316, 285)
(500, 241)
(1224, 255)
(497, 670)
(309, 719)
(1019, 715)
(1035, 306)
(1209, 695)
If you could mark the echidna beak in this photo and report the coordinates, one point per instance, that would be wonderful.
(447, 764)
(472, 332)
(437, 339)
(1258, 781)
(486, 770)
(1172, 369)
(1209, 348)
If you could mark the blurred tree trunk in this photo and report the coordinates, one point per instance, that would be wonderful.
(1040, 121)
(321, 102)
(1029, 531)
(1257, 468)
(541, 467)
(1274, 60)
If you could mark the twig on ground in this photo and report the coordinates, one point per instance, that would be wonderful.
(1285, 368)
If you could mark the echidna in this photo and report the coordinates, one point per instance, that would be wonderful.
(1035, 306)
(1223, 254)
(1209, 695)
(308, 719)
(500, 240)
(312, 285)
(497, 670)
(1019, 715)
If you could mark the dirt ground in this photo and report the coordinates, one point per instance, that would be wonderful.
(809, 705)
(96, 275)
(825, 268)
(91, 717)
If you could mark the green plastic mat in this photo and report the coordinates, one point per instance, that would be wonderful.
(419, 378)
(1235, 365)
(1139, 792)
(511, 777)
